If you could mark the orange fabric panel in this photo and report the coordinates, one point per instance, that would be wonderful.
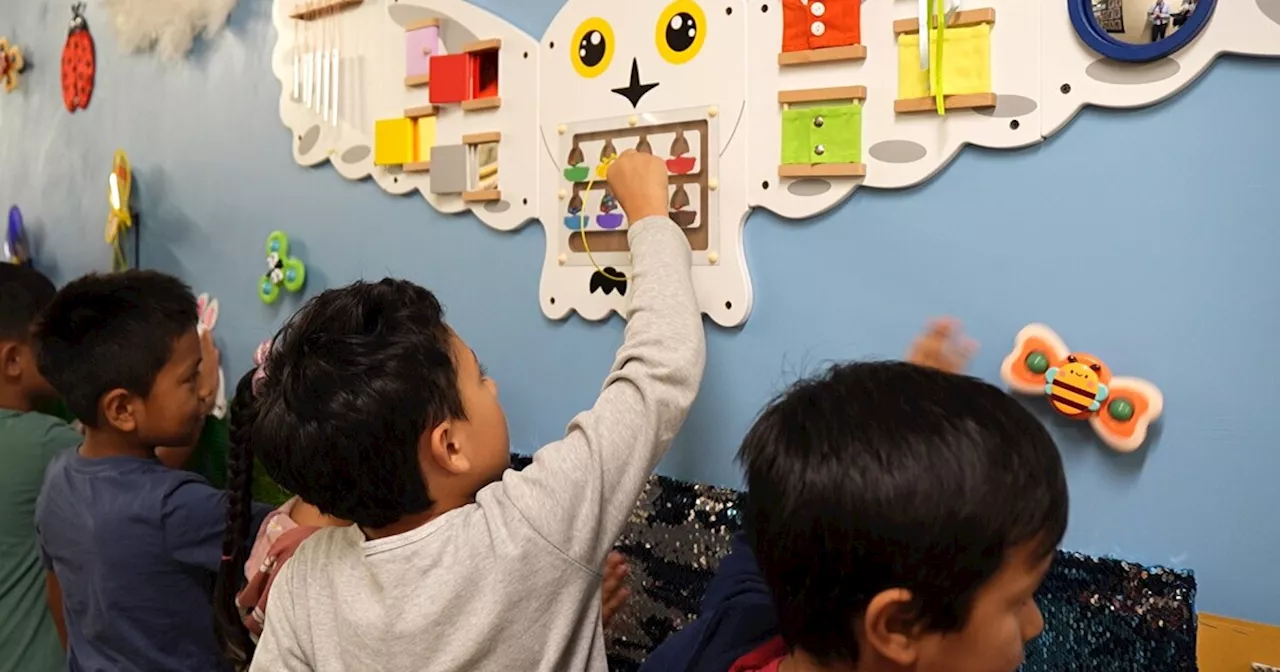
(817, 24)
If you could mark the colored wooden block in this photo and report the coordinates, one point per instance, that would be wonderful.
(448, 169)
(420, 45)
(426, 137)
(450, 78)
(394, 142)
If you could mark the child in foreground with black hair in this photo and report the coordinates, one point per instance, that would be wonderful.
(134, 544)
(374, 410)
(30, 620)
(902, 518)
(239, 617)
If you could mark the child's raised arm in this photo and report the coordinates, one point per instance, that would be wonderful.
(580, 490)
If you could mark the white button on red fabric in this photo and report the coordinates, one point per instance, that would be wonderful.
(818, 28)
(818, 9)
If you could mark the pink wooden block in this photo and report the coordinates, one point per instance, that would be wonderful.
(420, 44)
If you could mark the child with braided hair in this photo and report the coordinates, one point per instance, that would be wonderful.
(239, 609)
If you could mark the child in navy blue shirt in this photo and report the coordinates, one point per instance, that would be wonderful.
(134, 545)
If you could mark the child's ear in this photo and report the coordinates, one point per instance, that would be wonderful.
(117, 409)
(445, 450)
(10, 359)
(890, 627)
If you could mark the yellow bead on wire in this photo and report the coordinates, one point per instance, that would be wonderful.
(603, 169)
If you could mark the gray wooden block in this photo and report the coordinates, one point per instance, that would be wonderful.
(448, 169)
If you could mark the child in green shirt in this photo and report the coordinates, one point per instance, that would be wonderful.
(30, 619)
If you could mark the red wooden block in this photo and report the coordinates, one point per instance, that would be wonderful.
(450, 79)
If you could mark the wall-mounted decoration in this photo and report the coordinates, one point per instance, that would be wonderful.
(1139, 31)
(282, 270)
(15, 249)
(207, 309)
(819, 119)
(120, 215)
(11, 64)
(79, 62)
(1080, 386)
(167, 26)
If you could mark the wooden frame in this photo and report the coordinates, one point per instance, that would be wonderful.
(473, 141)
(824, 95)
(968, 101)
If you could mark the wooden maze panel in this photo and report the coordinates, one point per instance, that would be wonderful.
(683, 145)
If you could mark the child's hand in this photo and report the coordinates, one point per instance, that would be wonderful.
(613, 593)
(639, 182)
(209, 367)
(943, 346)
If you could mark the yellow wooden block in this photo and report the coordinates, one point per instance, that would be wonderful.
(426, 137)
(394, 142)
(966, 62)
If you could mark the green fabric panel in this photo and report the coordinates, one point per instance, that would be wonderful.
(209, 459)
(795, 135)
(265, 490)
(840, 135)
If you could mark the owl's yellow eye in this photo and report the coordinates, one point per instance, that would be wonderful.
(681, 30)
(592, 47)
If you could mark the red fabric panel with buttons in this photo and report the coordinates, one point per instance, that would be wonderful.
(818, 24)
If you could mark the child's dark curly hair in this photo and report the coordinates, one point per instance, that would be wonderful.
(233, 637)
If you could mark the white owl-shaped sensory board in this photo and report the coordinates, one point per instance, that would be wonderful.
(786, 105)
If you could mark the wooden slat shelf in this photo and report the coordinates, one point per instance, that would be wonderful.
(424, 23)
(482, 45)
(853, 52)
(482, 196)
(490, 103)
(968, 101)
(961, 19)
(801, 170)
(323, 10)
(419, 112)
(797, 96)
(482, 138)
(417, 80)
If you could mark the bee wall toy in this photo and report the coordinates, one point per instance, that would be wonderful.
(1081, 387)
(282, 270)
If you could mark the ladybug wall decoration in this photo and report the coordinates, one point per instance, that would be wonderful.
(78, 62)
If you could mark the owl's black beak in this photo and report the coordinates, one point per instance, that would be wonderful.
(634, 90)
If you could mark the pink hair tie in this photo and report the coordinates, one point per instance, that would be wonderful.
(260, 361)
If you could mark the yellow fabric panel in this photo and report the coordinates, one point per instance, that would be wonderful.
(966, 62)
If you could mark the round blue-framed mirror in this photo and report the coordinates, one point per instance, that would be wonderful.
(1139, 31)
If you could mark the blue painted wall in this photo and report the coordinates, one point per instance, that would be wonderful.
(1147, 237)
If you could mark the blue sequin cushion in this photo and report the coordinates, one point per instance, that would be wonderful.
(1101, 615)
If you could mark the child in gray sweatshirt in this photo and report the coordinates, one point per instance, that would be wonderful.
(374, 410)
